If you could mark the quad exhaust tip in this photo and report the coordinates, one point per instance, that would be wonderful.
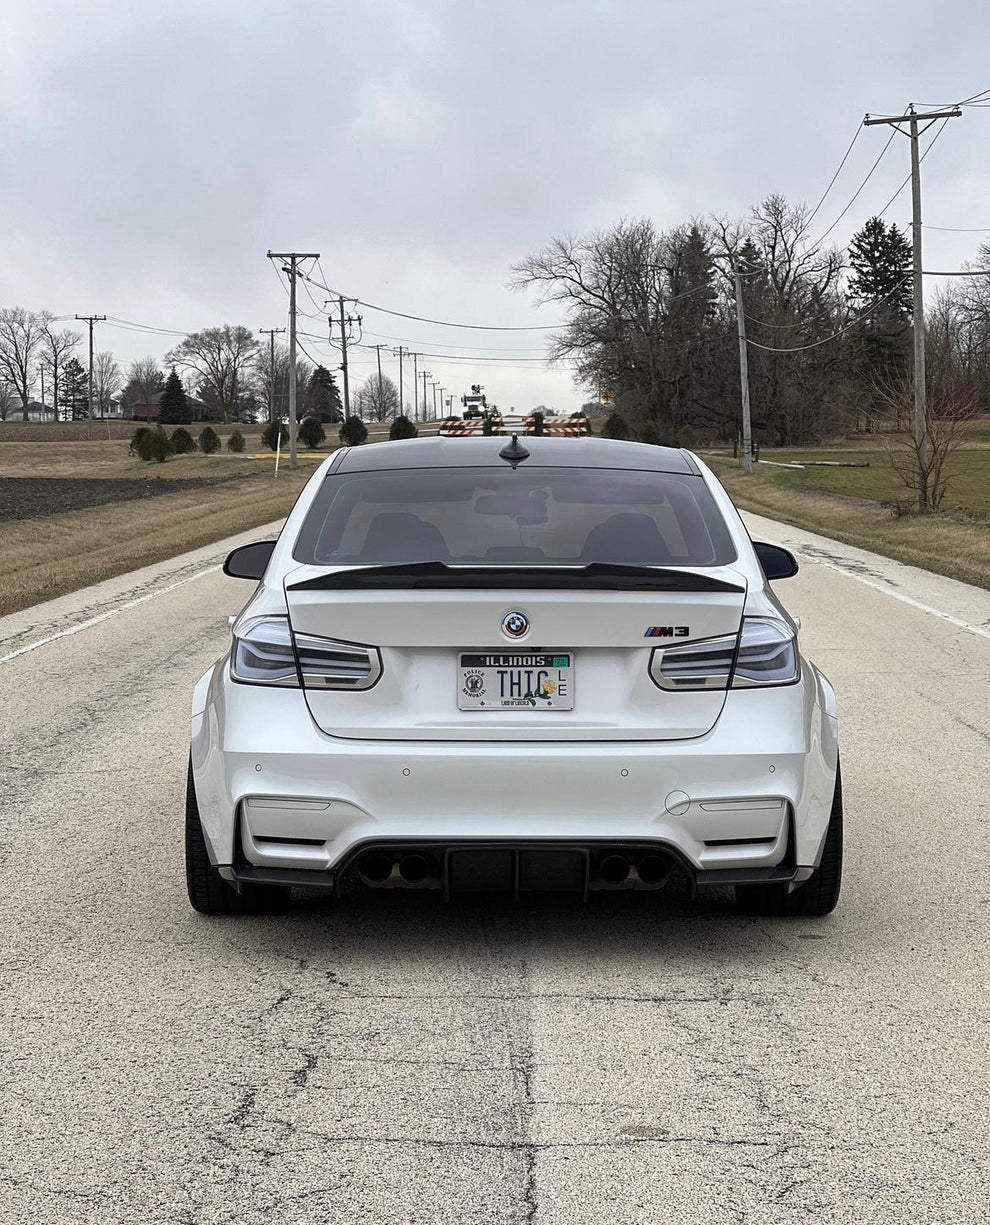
(382, 868)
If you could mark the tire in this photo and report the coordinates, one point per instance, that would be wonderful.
(208, 892)
(819, 894)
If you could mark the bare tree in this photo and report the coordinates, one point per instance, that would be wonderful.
(56, 349)
(949, 405)
(272, 380)
(644, 314)
(377, 398)
(144, 380)
(8, 399)
(21, 335)
(221, 358)
(792, 302)
(106, 381)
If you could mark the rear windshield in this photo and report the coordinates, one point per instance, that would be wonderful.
(526, 516)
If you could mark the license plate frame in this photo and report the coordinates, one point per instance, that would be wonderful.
(515, 680)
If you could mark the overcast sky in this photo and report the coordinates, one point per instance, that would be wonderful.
(152, 153)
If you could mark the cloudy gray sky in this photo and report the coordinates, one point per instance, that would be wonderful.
(153, 152)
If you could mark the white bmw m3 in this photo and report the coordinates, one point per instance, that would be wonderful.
(481, 664)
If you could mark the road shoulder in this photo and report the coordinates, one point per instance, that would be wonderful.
(946, 598)
(41, 623)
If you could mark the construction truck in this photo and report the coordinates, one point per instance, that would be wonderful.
(476, 404)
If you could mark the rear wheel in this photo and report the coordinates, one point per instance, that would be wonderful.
(819, 894)
(208, 892)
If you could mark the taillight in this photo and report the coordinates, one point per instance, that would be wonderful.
(764, 653)
(267, 652)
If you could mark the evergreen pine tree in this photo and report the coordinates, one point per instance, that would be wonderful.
(402, 427)
(173, 407)
(353, 432)
(880, 257)
(880, 292)
(74, 391)
(323, 396)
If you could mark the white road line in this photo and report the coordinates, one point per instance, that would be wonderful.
(105, 616)
(904, 599)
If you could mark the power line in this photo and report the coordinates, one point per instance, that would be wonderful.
(959, 229)
(306, 351)
(480, 348)
(444, 323)
(521, 363)
(784, 326)
(928, 148)
(869, 175)
(831, 181)
(972, 100)
(852, 323)
(129, 324)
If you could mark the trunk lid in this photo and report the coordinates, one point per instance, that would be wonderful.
(423, 618)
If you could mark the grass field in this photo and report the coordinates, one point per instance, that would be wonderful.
(44, 557)
(849, 503)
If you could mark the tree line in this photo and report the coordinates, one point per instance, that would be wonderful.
(224, 370)
(652, 326)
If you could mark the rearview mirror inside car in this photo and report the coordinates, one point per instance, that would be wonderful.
(250, 560)
(776, 562)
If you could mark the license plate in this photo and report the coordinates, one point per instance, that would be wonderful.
(516, 681)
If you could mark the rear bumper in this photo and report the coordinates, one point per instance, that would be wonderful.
(517, 868)
(277, 795)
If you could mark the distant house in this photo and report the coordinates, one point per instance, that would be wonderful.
(36, 412)
(148, 411)
(115, 411)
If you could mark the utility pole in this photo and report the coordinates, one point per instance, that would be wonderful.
(913, 118)
(415, 358)
(91, 319)
(345, 323)
(747, 427)
(271, 334)
(424, 375)
(402, 407)
(293, 257)
(378, 354)
(434, 385)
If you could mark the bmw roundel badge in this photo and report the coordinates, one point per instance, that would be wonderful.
(515, 624)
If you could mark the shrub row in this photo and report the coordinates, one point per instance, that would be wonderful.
(151, 443)
(312, 434)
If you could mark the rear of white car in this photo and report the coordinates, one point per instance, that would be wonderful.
(465, 668)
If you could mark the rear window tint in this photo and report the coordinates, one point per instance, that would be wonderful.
(526, 516)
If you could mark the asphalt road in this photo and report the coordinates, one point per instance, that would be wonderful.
(395, 1060)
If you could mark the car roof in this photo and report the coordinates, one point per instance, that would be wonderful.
(543, 453)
